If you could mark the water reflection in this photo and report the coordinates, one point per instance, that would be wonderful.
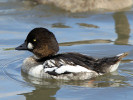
(88, 25)
(111, 80)
(44, 89)
(48, 15)
(108, 80)
(85, 42)
(44, 93)
(47, 89)
(122, 28)
(87, 5)
(60, 25)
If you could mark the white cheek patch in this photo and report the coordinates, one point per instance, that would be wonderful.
(30, 46)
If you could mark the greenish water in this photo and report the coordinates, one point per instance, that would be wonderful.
(94, 33)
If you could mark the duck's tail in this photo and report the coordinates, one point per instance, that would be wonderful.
(119, 57)
(109, 64)
(122, 55)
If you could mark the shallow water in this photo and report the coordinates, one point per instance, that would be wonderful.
(94, 33)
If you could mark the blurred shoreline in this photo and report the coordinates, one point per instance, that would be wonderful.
(88, 5)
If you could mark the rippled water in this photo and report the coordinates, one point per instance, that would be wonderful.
(94, 33)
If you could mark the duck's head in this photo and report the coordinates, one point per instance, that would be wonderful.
(41, 42)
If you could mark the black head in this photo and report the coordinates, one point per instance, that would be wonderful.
(41, 42)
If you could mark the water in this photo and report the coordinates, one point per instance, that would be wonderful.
(94, 33)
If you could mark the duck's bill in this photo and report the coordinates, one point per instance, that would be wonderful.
(22, 47)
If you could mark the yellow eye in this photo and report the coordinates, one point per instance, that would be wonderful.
(34, 40)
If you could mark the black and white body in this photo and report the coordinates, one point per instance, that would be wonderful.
(46, 63)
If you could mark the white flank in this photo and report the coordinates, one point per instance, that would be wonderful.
(70, 68)
(30, 46)
(114, 67)
(50, 69)
(36, 71)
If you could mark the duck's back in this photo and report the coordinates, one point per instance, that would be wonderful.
(75, 62)
(72, 59)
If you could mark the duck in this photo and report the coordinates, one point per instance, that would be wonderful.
(48, 63)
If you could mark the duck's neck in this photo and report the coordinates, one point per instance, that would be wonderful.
(44, 58)
(36, 57)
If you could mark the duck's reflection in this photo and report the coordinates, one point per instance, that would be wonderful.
(47, 89)
(41, 94)
(44, 89)
(122, 28)
(100, 81)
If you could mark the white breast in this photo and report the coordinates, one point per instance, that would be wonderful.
(36, 71)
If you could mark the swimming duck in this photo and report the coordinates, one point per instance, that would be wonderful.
(46, 63)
